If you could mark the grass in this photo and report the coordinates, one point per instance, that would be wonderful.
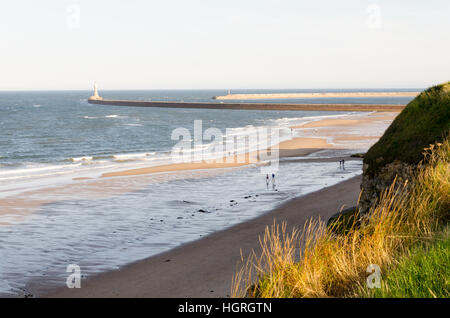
(424, 121)
(422, 273)
(345, 221)
(317, 261)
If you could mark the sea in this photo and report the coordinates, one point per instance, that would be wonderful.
(50, 138)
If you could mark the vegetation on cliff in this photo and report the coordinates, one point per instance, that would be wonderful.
(424, 121)
(405, 219)
(427, 264)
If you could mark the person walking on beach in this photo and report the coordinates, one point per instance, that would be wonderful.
(273, 181)
(267, 181)
(343, 164)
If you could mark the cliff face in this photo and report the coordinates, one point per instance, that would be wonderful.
(373, 185)
(424, 121)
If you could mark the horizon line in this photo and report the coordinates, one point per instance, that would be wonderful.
(209, 89)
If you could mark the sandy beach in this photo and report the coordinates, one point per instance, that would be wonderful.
(337, 129)
(18, 207)
(294, 147)
(204, 268)
(315, 95)
(334, 133)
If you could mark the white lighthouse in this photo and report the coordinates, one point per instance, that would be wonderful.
(95, 96)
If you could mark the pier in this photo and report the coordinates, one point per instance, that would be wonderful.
(315, 95)
(250, 106)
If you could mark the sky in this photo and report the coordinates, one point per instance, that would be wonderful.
(208, 44)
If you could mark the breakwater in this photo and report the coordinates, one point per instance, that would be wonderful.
(251, 106)
(315, 95)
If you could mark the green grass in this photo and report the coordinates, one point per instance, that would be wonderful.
(422, 274)
(424, 121)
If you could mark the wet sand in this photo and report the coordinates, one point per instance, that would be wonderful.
(204, 268)
(337, 130)
(291, 148)
(294, 147)
(380, 116)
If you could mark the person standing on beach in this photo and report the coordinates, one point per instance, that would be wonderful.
(273, 181)
(343, 164)
(267, 181)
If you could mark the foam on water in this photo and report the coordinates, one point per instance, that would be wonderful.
(82, 159)
(95, 165)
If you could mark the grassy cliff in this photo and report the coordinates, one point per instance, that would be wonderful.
(404, 221)
(424, 121)
(406, 237)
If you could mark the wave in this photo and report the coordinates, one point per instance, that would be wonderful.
(81, 159)
(32, 171)
(133, 156)
(294, 121)
(208, 150)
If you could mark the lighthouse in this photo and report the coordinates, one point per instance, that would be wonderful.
(95, 96)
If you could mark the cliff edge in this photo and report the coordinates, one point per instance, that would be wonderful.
(424, 121)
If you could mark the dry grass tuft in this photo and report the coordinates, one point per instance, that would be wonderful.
(317, 262)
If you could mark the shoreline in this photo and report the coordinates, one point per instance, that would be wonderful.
(21, 205)
(204, 268)
(290, 148)
(295, 147)
(310, 141)
(106, 185)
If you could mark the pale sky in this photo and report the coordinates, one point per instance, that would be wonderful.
(180, 44)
